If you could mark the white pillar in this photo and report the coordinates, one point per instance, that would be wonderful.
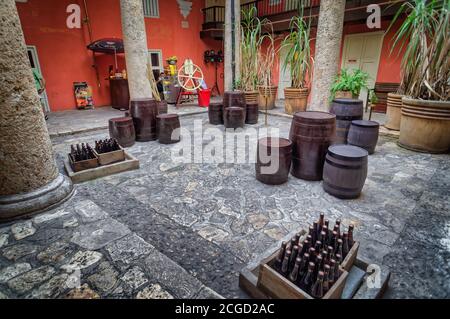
(232, 35)
(328, 48)
(136, 49)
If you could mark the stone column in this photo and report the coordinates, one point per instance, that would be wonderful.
(136, 50)
(328, 48)
(29, 177)
(232, 35)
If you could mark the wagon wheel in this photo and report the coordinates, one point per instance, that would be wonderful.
(190, 77)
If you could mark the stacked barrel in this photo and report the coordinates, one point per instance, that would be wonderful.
(333, 147)
(233, 111)
(147, 121)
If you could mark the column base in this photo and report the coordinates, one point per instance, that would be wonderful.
(27, 204)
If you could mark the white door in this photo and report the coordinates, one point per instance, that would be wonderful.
(34, 62)
(363, 51)
(285, 75)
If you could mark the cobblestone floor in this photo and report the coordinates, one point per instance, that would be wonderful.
(185, 230)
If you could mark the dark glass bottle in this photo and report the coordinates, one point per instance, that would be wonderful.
(338, 224)
(303, 268)
(330, 251)
(332, 270)
(326, 278)
(293, 276)
(297, 238)
(324, 235)
(316, 230)
(307, 280)
(338, 258)
(351, 241)
(285, 265)
(318, 246)
(294, 256)
(337, 272)
(280, 257)
(317, 288)
(345, 245)
(312, 233)
(321, 220)
(319, 266)
(339, 249)
(306, 246)
(312, 255)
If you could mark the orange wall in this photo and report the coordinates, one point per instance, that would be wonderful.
(64, 58)
(389, 67)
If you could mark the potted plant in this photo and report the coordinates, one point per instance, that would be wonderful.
(425, 36)
(299, 60)
(349, 85)
(251, 39)
(267, 89)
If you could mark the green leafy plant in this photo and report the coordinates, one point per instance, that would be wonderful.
(424, 36)
(298, 46)
(266, 58)
(373, 97)
(352, 82)
(251, 40)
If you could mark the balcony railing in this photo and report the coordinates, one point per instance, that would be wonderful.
(279, 12)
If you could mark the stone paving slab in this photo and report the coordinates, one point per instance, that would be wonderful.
(207, 221)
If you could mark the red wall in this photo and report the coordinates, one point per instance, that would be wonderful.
(64, 58)
(389, 67)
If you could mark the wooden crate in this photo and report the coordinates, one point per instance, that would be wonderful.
(349, 260)
(273, 284)
(82, 165)
(111, 157)
(130, 163)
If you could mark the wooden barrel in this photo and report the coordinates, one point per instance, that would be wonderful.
(393, 111)
(167, 124)
(234, 98)
(144, 112)
(215, 113)
(234, 117)
(122, 129)
(252, 111)
(364, 134)
(311, 135)
(346, 111)
(425, 126)
(274, 159)
(162, 107)
(345, 171)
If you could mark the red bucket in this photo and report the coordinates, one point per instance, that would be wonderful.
(204, 97)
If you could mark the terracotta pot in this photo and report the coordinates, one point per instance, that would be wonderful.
(251, 97)
(394, 111)
(344, 95)
(295, 100)
(267, 95)
(425, 126)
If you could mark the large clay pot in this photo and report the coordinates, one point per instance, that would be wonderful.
(394, 111)
(343, 95)
(267, 96)
(251, 97)
(425, 126)
(295, 100)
